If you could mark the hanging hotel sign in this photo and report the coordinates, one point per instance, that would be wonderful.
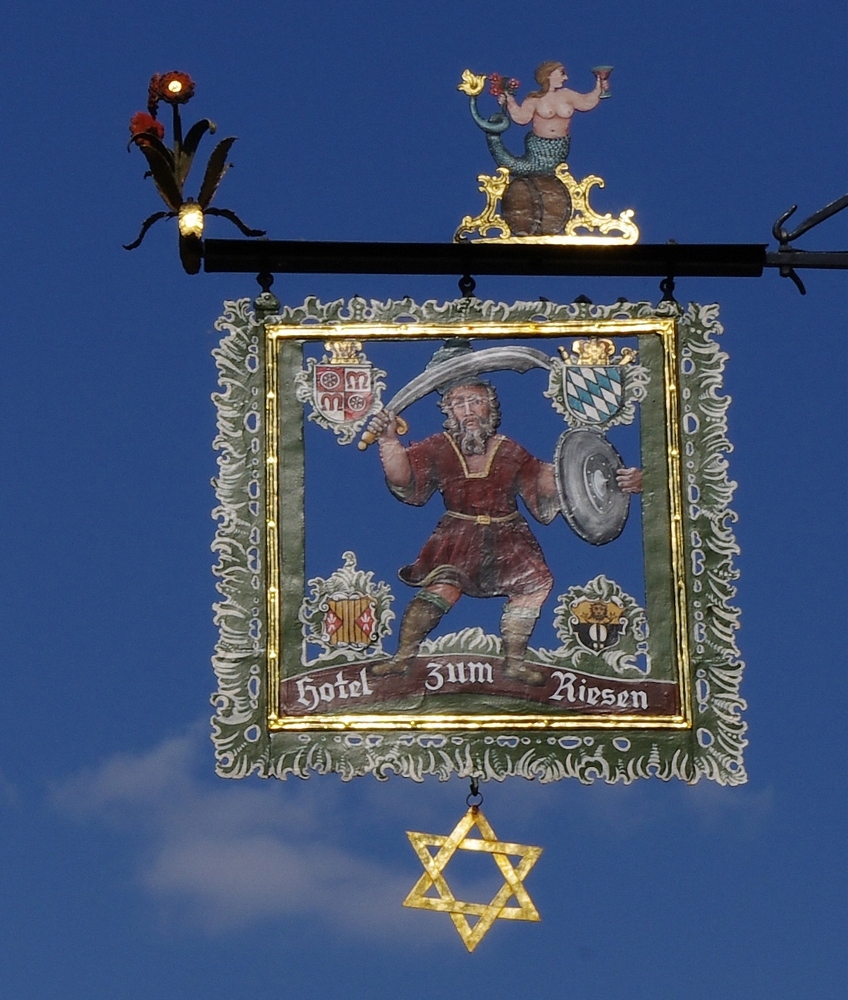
(475, 538)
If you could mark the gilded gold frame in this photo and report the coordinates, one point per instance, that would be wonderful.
(665, 328)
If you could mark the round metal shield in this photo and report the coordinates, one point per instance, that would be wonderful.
(592, 502)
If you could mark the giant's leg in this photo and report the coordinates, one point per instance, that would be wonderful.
(422, 615)
(517, 623)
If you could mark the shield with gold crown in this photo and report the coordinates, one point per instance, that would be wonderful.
(343, 388)
(595, 385)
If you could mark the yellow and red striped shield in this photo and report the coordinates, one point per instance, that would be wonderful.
(350, 621)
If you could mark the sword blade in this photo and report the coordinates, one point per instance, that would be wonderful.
(492, 359)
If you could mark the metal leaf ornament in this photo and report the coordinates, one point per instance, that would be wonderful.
(170, 166)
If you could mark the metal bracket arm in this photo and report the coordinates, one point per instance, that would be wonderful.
(788, 258)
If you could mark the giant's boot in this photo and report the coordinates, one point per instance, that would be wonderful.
(422, 615)
(517, 626)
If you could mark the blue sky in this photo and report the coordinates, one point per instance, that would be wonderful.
(130, 871)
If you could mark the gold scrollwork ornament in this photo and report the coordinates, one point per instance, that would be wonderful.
(584, 225)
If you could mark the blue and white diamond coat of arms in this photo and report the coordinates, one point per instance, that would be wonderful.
(592, 387)
(593, 395)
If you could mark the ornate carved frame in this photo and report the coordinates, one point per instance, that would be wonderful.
(260, 529)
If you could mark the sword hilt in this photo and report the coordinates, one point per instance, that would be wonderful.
(369, 438)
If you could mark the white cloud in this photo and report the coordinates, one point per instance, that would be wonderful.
(743, 809)
(226, 854)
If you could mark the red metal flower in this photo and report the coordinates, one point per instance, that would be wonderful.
(142, 123)
(169, 166)
(172, 88)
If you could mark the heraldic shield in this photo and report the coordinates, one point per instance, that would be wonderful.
(350, 621)
(343, 393)
(598, 624)
(593, 503)
(594, 395)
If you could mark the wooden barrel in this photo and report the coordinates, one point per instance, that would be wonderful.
(538, 205)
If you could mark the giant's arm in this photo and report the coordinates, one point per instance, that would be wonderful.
(548, 494)
(547, 482)
(538, 489)
(395, 463)
(393, 455)
(409, 472)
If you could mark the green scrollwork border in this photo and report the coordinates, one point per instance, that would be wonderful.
(711, 748)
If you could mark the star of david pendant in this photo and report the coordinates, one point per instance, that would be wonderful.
(486, 913)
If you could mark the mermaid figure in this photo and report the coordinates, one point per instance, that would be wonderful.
(548, 110)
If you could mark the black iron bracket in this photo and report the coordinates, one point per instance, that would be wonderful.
(664, 260)
(645, 260)
(787, 258)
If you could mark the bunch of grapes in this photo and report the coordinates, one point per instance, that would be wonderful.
(499, 85)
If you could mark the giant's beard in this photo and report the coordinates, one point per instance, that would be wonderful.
(471, 440)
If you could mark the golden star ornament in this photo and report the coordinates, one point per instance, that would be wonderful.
(486, 913)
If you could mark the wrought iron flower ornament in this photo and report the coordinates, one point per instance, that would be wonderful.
(170, 166)
(173, 88)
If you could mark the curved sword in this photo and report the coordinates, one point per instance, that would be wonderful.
(491, 359)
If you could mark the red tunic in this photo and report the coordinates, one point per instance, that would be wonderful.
(488, 550)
